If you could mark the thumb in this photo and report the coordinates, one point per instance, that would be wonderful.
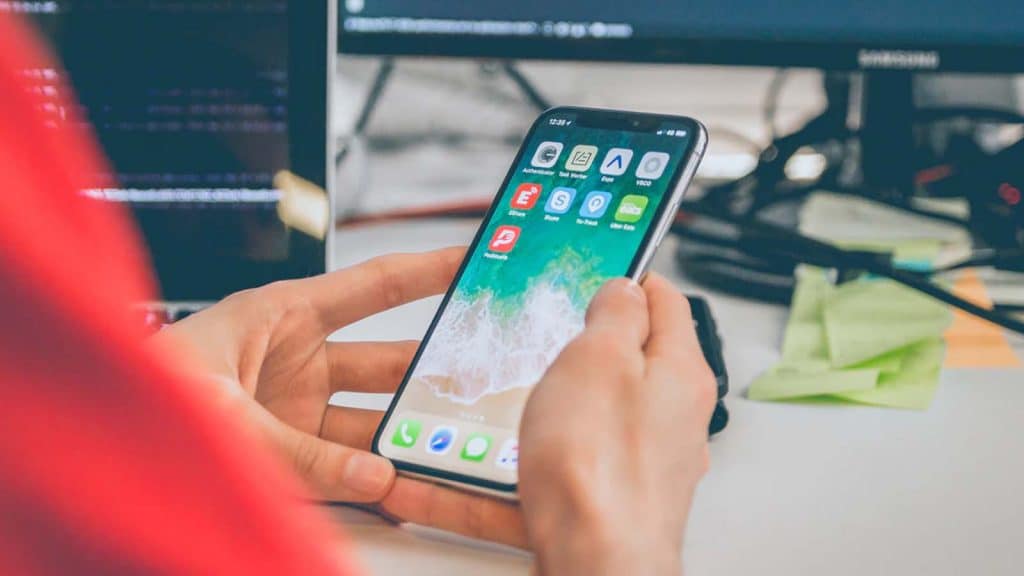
(335, 472)
(340, 473)
(620, 307)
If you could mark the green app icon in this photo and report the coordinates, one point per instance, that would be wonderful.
(406, 434)
(631, 209)
(476, 448)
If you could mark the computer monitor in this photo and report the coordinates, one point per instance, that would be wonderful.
(202, 108)
(928, 35)
(889, 39)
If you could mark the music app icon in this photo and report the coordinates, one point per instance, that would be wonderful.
(505, 238)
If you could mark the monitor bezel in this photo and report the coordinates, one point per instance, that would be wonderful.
(839, 56)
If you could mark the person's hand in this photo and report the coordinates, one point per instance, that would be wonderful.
(614, 438)
(265, 355)
(612, 445)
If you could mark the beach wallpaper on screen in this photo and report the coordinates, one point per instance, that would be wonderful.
(512, 313)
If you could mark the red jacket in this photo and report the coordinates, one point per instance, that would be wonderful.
(109, 461)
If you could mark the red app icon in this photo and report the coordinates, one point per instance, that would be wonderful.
(526, 196)
(505, 238)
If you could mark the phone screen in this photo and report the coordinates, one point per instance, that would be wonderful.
(575, 211)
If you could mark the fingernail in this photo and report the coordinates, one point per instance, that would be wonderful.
(367, 474)
(633, 287)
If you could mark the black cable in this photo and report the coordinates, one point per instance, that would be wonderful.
(771, 102)
(380, 81)
(815, 252)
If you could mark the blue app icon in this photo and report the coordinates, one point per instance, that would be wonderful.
(441, 440)
(560, 200)
(595, 204)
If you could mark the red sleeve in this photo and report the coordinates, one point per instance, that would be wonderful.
(109, 461)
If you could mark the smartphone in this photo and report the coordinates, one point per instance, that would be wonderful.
(589, 197)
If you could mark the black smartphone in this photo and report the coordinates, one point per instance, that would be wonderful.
(589, 197)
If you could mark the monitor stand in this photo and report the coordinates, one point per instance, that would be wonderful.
(888, 151)
(383, 77)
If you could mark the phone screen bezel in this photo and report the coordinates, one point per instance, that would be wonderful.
(589, 118)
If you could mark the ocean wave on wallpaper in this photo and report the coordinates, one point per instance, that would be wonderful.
(482, 348)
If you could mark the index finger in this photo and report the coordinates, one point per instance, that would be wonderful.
(474, 516)
(343, 297)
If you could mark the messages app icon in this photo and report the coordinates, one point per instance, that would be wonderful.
(406, 434)
(476, 447)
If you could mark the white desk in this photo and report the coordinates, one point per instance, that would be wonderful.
(793, 490)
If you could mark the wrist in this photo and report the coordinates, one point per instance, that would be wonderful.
(569, 543)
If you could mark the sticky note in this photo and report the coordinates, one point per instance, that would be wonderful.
(870, 341)
(865, 319)
(913, 387)
(973, 342)
(793, 382)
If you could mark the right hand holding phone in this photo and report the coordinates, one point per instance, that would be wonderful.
(614, 437)
(613, 443)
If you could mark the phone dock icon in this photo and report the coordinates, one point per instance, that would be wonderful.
(406, 434)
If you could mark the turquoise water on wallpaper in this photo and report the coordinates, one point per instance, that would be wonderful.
(511, 314)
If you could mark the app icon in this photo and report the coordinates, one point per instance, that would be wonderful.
(406, 434)
(547, 154)
(595, 204)
(652, 165)
(526, 196)
(505, 238)
(616, 161)
(581, 158)
(560, 200)
(441, 440)
(631, 209)
(508, 456)
(476, 447)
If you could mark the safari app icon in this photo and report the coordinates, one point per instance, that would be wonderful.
(441, 440)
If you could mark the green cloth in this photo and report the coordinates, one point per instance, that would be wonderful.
(871, 341)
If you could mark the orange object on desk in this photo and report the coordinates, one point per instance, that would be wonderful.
(971, 341)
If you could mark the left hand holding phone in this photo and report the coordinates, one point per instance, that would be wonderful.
(266, 354)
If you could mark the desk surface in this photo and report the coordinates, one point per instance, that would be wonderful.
(792, 489)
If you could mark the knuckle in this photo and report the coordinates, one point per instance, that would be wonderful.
(307, 459)
(476, 521)
(610, 352)
(383, 275)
